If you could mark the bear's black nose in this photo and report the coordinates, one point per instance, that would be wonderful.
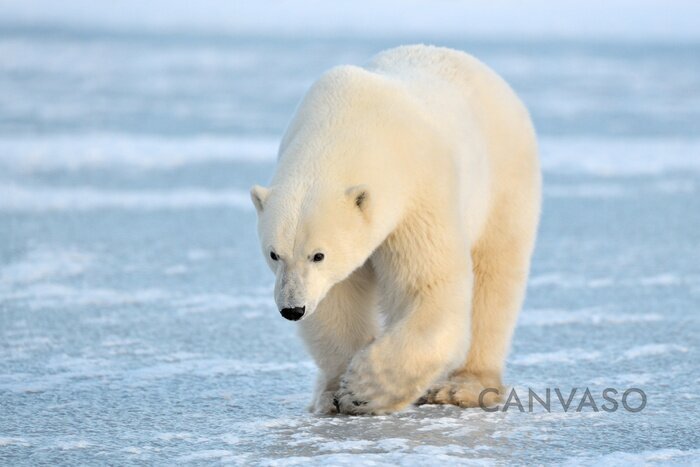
(293, 314)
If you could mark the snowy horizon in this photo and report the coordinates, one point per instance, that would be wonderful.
(627, 20)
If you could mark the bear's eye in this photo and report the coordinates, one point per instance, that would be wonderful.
(318, 257)
(274, 256)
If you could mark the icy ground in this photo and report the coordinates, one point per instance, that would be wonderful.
(136, 318)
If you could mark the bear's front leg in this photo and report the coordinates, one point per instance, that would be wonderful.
(423, 343)
(344, 322)
(323, 400)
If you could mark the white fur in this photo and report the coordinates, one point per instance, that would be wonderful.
(418, 179)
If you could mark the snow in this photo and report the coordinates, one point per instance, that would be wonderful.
(569, 356)
(653, 349)
(64, 152)
(25, 155)
(137, 324)
(39, 198)
(640, 19)
(13, 441)
(653, 457)
(591, 317)
(43, 264)
(68, 445)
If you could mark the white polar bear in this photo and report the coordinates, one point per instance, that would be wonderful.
(400, 223)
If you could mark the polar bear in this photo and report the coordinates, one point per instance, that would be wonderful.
(400, 223)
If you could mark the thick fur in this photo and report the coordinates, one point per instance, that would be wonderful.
(419, 181)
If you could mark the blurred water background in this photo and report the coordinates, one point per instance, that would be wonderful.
(136, 317)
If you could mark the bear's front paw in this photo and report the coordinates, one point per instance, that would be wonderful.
(465, 390)
(366, 389)
(348, 402)
(324, 404)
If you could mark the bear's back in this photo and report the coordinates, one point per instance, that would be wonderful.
(425, 62)
(458, 76)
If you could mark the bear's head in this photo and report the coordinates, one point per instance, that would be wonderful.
(312, 238)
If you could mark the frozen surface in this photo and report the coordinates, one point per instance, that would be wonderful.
(136, 317)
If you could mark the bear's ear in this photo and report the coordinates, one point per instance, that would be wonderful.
(259, 194)
(359, 195)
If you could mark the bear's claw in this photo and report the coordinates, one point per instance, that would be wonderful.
(464, 391)
(346, 403)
